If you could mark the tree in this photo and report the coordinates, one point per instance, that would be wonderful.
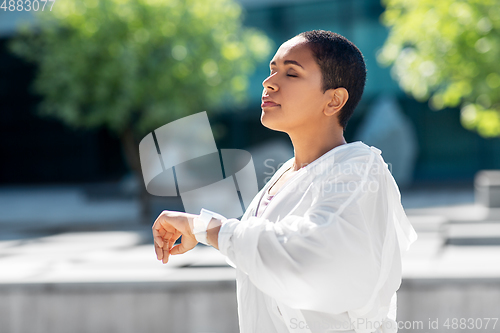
(135, 65)
(448, 52)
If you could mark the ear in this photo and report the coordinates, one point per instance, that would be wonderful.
(338, 98)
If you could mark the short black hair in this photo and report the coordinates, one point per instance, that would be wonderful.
(341, 64)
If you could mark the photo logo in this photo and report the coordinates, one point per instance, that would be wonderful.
(181, 158)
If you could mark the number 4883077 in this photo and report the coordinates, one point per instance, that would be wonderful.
(26, 5)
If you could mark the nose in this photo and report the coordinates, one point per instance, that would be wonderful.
(269, 83)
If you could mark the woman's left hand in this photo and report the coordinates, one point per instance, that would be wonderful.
(168, 227)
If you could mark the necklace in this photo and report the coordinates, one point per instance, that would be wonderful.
(269, 190)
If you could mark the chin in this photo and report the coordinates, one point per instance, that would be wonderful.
(270, 122)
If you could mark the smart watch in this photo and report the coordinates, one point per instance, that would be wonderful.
(200, 224)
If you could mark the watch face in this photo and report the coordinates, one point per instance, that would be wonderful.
(199, 225)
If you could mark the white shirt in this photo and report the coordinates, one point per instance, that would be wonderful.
(325, 255)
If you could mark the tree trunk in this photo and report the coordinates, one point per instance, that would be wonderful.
(131, 148)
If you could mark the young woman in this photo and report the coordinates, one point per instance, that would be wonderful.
(319, 248)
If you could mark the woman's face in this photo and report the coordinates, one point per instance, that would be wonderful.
(292, 96)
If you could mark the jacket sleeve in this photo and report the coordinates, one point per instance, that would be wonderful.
(327, 259)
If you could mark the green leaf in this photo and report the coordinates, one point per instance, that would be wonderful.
(447, 51)
(140, 63)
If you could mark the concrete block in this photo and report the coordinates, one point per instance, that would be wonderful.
(487, 188)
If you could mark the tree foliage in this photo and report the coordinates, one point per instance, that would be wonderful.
(448, 52)
(139, 64)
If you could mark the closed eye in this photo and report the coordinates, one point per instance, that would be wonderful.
(291, 75)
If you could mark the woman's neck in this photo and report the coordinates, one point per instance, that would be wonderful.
(308, 148)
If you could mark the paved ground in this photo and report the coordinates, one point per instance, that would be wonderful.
(61, 234)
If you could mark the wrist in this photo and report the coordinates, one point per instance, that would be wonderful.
(205, 221)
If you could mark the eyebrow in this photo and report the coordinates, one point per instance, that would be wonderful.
(287, 62)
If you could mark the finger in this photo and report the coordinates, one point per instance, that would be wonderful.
(175, 237)
(172, 240)
(157, 237)
(168, 235)
(159, 230)
(157, 244)
(176, 250)
(159, 252)
(165, 254)
(159, 241)
(183, 247)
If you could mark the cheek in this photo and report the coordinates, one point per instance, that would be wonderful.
(307, 99)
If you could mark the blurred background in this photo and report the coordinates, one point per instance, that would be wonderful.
(82, 82)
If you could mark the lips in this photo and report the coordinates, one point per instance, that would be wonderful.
(267, 102)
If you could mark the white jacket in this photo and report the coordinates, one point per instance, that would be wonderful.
(326, 253)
